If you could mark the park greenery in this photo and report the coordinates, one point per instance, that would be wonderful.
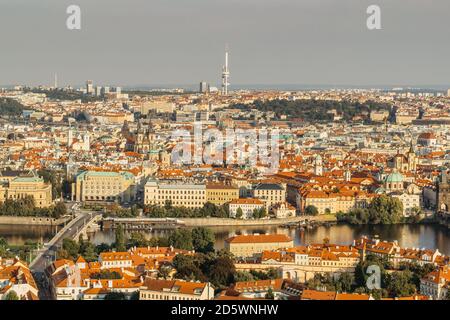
(60, 185)
(63, 94)
(11, 295)
(25, 251)
(106, 274)
(315, 110)
(199, 239)
(382, 210)
(168, 211)
(311, 210)
(26, 207)
(399, 283)
(10, 107)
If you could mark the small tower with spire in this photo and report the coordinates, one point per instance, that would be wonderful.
(318, 166)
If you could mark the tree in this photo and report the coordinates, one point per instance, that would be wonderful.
(400, 284)
(71, 247)
(187, 267)
(259, 213)
(120, 238)
(382, 210)
(222, 272)
(52, 177)
(164, 271)
(344, 283)
(137, 239)
(181, 239)
(11, 295)
(59, 210)
(361, 269)
(269, 295)
(239, 213)
(87, 250)
(243, 276)
(3, 248)
(385, 210)
(203, 239)
(311, 210)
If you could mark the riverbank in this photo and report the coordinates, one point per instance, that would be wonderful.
(32, 221)
(223, 222)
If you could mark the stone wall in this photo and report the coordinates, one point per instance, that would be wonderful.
(217, 222)
(36, 221)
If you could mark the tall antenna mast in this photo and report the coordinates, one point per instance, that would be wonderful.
(225, 74)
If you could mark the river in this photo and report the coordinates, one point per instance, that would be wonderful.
(18, 234)
(418, 236)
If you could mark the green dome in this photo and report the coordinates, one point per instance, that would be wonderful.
(394, 177)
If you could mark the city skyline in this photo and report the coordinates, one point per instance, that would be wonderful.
(163, 44)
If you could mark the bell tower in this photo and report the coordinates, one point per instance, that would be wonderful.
(443, 192)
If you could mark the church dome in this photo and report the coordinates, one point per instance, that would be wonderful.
(394, 177)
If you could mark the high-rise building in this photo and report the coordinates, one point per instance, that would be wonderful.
(89, 87)
(448, 92)
(204, 87)
(105, 90)
(98, 91)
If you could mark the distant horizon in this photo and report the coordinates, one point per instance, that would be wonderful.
(251, 86)
(272, 44)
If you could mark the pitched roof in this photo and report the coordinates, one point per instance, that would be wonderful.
(259, 238)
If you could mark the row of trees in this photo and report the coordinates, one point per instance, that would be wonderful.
(61, 94)
(168, 211)
(60, 185)
(26, 207)
(22, 251)
(256, 214)
(199, 239)
(382, 210)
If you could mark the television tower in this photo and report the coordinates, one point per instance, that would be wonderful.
(225, 74)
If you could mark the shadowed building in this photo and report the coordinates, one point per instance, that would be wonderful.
(443, 192)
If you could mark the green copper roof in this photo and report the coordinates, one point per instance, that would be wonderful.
(84, 174)
(394, 177)
(28, 179)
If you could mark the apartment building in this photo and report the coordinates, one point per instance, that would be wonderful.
(179, 194)
(436, 283)
(115, 260)
(247, 205)
(219, 194)
(251, 245)
(105, 186)
(332, 202)
(19, 187)
(269, 193)
(154, 289)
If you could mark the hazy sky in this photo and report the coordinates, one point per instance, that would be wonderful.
(156, 42)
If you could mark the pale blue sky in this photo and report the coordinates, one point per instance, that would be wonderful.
(151, 42)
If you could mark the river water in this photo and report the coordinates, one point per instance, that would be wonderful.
(418, 236)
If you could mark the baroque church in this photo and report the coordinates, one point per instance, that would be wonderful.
(404, 163)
